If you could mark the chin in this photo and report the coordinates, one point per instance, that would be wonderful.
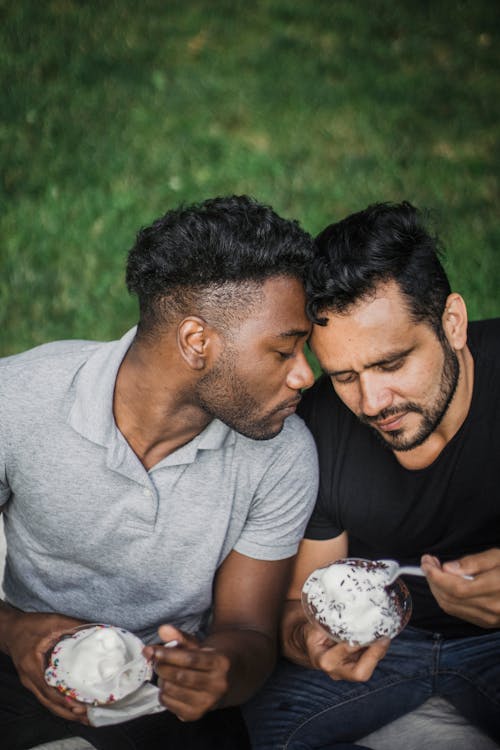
(263, 432)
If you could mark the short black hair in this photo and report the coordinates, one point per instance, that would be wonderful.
(385, 242)
(212, 255)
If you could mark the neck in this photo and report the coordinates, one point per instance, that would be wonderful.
(153, 405)
(424, 455)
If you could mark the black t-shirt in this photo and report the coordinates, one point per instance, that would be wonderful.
(449, 509)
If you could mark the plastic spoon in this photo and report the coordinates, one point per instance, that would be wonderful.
(394, 569)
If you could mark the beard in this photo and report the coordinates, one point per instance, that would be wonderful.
(431, 415)
(222, 394)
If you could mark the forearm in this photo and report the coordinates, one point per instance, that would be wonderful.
(8, 615)
(251, 656)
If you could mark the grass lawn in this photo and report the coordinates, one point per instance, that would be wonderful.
(114, 112)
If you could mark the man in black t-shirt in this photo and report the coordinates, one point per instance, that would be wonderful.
(407, 424)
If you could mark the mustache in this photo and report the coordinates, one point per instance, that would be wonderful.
(391, 411)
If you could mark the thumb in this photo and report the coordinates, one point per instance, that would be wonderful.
(174, 637)
(168, 633)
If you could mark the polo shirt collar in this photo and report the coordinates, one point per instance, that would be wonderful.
(91, 414)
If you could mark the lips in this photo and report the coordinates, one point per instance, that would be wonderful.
(391, 423)
(289, 407)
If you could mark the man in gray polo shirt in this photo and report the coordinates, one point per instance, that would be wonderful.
(153, 482)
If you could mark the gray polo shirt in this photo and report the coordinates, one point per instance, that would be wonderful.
(91, 533)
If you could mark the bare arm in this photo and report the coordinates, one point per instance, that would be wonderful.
(476, 601)
(307, 644)
(240, 651)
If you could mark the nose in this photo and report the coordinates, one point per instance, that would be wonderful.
(374, 395)
(301, 375)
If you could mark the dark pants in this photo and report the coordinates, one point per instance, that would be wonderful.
(24, 723)
(303, 709)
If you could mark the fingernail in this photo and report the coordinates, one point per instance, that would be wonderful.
(453, 567)
(171, 644)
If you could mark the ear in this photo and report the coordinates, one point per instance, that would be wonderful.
(455, 321)
(195, 339)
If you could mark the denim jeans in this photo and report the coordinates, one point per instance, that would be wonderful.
(303, 709)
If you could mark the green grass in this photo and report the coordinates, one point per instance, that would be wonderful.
(114, 112)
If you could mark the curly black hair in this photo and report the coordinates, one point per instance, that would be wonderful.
(212, 255)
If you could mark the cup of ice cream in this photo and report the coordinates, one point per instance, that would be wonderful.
(98, 664)
(352, 602)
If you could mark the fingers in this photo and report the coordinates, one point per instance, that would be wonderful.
(193, 679)
(317, 643)
(429, 562)
(191, 694)
(450, 583)
(63, 706)
(353, 663)
(169, 633)
(474, 564)
(30, 637)
(172, 638)
(476, 601)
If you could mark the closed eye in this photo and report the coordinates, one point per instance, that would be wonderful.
(392, 366)
(344, 378)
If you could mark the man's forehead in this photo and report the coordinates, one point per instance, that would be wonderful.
(378, 330)
(281, 311)
(386, 305)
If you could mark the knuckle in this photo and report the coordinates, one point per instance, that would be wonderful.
(192, 713)
(224, 663)
(335, 675)
(461, 591)
(221, 685)
(490, 619)
(191, 658)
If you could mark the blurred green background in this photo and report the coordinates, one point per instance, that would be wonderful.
(113, 112)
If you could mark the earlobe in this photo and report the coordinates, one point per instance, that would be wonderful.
(455, 321)
(192, 341)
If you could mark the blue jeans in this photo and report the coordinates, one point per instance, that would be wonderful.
(303, 709)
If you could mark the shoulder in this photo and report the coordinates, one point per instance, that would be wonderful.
(483, 338)
(41, 370)
(45, 355)
(484, 334)
(294, 439)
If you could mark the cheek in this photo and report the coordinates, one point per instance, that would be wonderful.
(421, 381)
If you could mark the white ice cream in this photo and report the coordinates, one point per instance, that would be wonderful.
(351, 601)
(98, 664)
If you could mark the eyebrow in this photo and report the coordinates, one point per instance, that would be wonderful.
(391, 357)
(294, 333)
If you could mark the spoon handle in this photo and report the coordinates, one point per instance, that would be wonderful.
(415, 570)
(411, 570)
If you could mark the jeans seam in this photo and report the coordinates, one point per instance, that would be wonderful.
(436, 657)
(351, 700)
